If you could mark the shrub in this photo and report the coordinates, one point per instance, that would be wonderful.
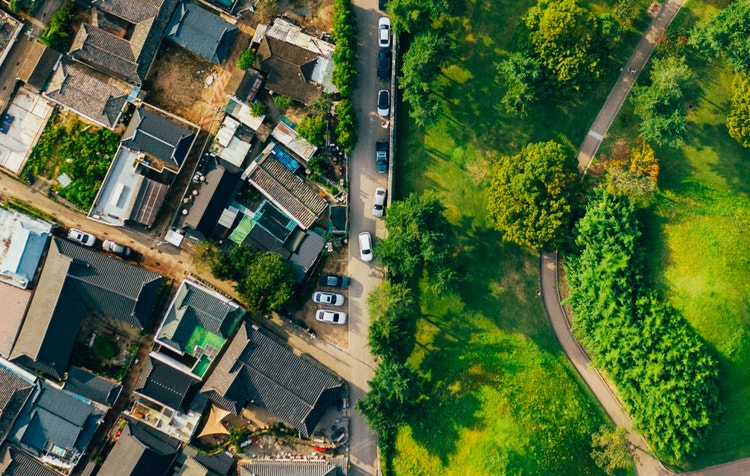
(283, 102)
(105, 348)
(246, 59)
(258, 109)
(20, 6)
(346, 128)
(57, 35)
(313, 129)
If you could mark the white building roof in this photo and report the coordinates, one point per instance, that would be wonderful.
(23, 240)
(29, 113)
(293, 141)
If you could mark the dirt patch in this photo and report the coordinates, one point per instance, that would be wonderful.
(181, 82)
(312, 15)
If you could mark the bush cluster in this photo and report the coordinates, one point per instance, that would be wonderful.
(344, 56)
(58, 34)
(661, 368)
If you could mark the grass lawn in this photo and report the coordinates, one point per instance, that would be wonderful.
(697, 241)
(501, 396)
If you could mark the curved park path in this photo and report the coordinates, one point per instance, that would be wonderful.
(646, 463)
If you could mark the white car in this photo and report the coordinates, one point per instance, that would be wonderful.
(332, 299)
(378, 205)
(332, 317)
(384, 103)
(86, 239)
(384, 32)
(115, 248)
(365, 246)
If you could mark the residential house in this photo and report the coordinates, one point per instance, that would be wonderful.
(297, 65)
(227, 6)
(21, 127)
(201, 32)
(46, 60)
(287, 136)
(74, 281)
(92, 95)
(192, 462)
(17, 386)
(16, 462)
(336, 466)
(54, 426)
(15, 303)
(122, 37)
(257, 370)
(164, 396)
(23, 240)
(150, 155)
(92, 387)
(140, 451)
(10, 28)
(284, 189)
(197, 325)
(233, 141)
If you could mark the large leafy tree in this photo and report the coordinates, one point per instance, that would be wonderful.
(660, 105)
(529, 194)
(393, 392)
(521, 76)
(611, 449)
(565, 38)
(738, 118)
(725, 34)
(268, 283)
(392, 312)
(418, 233)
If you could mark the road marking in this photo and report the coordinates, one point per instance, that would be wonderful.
(595, 135)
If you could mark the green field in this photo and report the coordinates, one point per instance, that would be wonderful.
(697, 241)
(501, 396)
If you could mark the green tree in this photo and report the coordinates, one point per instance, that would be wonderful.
(268, 283)
(725, 35)
(105, 348)
(313, 129)
(611, 449)
(520, 76)
(660, 105)
(58, 34)
(392, 311)
(266, 10)
(282, 102)
(258, 109)
(20, 6)
(529, 194)
(394, 390)
(566, 40)
(423, 61)
(418, 234)
(346, 127)
(246, 59)
(738, 117)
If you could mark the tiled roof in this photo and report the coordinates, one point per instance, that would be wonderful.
(140, 451)
(289, 69)
(286, 190)
(126, 59)
(40, 74)
(336, 466)
(306, 254)
(14, 392)
(52, 416)
(195, 306)
(218, 189)
(256, 369)
(84, 383)
(150, 198)
(74, 86)
(166, 385)
(16, 462)
(202, 32)
(158, 137)
(219, 463)
(74, 279)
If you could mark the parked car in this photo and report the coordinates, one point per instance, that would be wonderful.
(384, 32)
(365, 246)
(382, 4)
(333, 317)
(381, 157)
(86, 239)
(332, 299)
(115, 248)
(378, 205)
(333, 280)
(384, 103)
(384, 65)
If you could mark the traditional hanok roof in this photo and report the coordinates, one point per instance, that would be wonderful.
(256, 369)
(201, 32)
(289, 69)
(336, 466)
(90, 386)
(158, 138)
(164, 384)
(140, 451)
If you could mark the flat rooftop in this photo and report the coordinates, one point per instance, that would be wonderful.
(15, 302)
(114, 204)
(20, 129)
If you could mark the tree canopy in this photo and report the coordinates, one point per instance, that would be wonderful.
(392, 311)
(738, 118)
(660, 105)
(520, 75)
(725, 35)
(529, 194)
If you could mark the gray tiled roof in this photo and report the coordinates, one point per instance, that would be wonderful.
(14, 392)
(21, 464)
(306, 254)
(202, 32)
(84, 383)
(74, 279)
(158, 137)
(286, 190)
(288, 68)
(166, 385)
(129, 59)
(194, 307)
(335, 466)
(220, 186)
(257, 369)
(219, 463)
(140, 451)
(73, 86)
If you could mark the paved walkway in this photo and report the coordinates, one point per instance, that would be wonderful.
(622, 87)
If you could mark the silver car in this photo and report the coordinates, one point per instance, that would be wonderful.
(115, 248)
(331, 299)
(332, 317)
(86, 239)
(378, 205)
